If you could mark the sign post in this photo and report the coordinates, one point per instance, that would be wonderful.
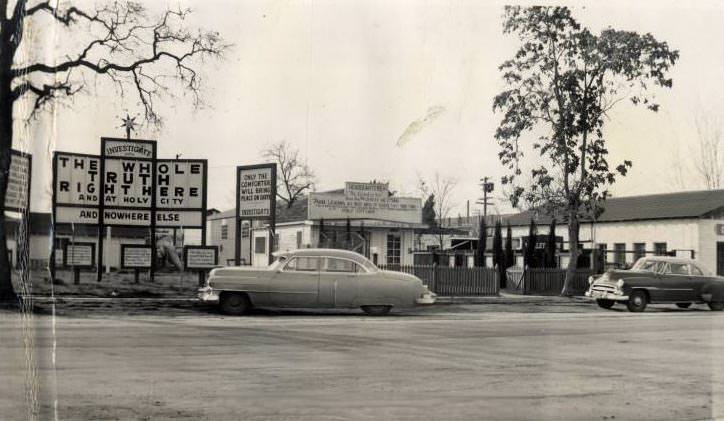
(79, 256)
(201, 259)
(137, 257)
(256, 191)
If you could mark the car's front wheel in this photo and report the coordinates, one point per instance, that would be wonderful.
(637, 301)
(605, 303)
(376, 310)
(234, 303)
(683, 305)
(716, 305)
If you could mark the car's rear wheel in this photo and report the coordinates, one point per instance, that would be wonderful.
(605, 303)
(637, 301)
(716, 305)
(234, 303)
(376, 310)
(683, 305)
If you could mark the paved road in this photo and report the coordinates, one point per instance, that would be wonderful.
(451, 363)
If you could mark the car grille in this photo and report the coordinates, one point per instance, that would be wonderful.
(603, 288)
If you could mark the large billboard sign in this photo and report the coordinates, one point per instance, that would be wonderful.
(17, 196)
(360, 202)
(255, 191)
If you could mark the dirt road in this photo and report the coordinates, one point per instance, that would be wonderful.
(453, 362)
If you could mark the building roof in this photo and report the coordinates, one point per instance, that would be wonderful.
(680, 205)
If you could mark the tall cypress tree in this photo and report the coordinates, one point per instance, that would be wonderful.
(530, 259)
(482, 238)
(551, 246)
(498, 256)
(509, 256)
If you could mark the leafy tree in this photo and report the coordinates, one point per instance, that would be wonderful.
(509, 253)
(498, 256)
(428, 212)
(529, 259)
(551, 245)
(115, 44)
(294, 176)
(482, 239)
(562, 82)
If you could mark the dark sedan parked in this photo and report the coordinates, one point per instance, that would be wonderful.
(658, 279)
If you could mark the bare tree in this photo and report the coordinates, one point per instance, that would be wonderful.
(708, 160)
(442, 188)
(294, 176)
(117, 43)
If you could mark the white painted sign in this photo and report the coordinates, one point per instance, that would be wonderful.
(77, 180)
(79, 254)
(363, 190)
(16, 196)
(386, 208)
(256, 189)
(201, 257)
(180, 184)
(127, 148)
(135, 257)
(128, 183)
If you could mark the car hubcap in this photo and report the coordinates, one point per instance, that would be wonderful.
(637, 301)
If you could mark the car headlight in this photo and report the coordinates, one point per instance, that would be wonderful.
(619, 284)
(590, 280)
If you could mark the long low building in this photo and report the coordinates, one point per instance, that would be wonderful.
(686, 224)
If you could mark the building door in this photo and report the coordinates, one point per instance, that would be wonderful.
(720, 258)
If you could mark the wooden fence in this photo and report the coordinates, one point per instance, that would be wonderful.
(545, 281)
(453, 281)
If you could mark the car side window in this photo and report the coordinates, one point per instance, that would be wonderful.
(340, 265)
(679, 268)
(303, 264)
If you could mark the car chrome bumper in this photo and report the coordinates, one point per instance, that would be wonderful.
(427, 298)
(602, 295)
(207, 295)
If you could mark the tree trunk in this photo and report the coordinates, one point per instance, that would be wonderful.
(573, 230)
(7, 293)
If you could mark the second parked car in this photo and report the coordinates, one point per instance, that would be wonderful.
(658, 279)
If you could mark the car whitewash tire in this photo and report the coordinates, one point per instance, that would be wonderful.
(605, 303)
(637, 301)
(716, 305)
(234, 303)
(376, 310)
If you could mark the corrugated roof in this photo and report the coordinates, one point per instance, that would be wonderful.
(680, 205)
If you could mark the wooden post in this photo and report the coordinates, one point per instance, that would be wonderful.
(136, 277)
(76, 276)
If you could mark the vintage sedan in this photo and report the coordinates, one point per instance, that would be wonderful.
(658, 279)
(315, 278)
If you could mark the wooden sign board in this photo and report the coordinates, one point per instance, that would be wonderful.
(201, 257)
(80, 255)
(135, 256)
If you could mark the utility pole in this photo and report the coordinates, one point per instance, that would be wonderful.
(487, 188)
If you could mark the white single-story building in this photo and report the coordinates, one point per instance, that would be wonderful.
(686, 224)
(379, 226)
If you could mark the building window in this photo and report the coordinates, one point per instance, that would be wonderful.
(619, 254)
(660, 249)
(260, 245)
(639, 250)
(602, 249)
(299, 239)
(393, 249)
(224, 232)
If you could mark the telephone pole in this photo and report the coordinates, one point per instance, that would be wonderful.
(487, 187)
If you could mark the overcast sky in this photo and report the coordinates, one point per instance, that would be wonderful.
(343, 80)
